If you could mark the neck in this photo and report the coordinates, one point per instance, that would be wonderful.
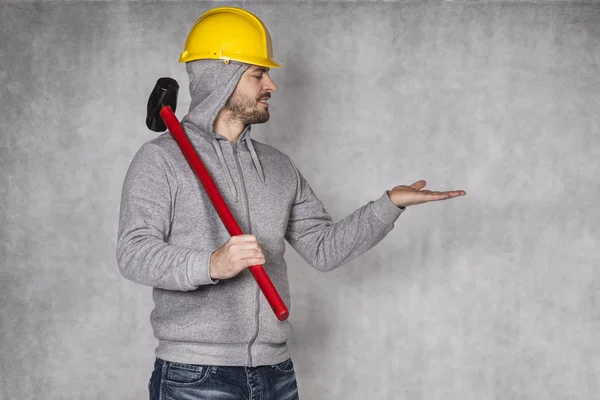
(230, 128)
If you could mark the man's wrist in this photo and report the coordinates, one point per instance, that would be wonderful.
(389, 193)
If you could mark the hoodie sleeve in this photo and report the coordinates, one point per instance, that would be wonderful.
(326, 245)
(143, 255)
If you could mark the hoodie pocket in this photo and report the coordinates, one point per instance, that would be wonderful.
(195, 307)
(221, 313)
(175, 310)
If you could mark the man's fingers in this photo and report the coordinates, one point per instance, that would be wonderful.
(249, 255)
(433, 196)
(451, 192)
(455, 193)
(249, 245)
(251, 262)
(253, 258)
(245, 242)
(243, 238)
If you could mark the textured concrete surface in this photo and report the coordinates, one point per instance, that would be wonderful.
(491, 296)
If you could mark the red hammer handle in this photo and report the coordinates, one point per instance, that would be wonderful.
(261, 277)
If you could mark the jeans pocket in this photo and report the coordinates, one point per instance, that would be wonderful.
(286, 367)
(184, 374)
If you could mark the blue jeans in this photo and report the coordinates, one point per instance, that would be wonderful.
(175, 381)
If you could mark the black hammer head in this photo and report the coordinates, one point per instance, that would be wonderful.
(164, 94)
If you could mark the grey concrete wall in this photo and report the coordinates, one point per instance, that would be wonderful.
(491, 296)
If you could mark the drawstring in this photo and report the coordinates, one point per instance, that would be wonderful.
(225, 168)
(257, 165)
(245, 137)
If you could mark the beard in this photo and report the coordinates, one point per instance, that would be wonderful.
(245, 109)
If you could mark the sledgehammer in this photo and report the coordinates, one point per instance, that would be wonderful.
(161, 107)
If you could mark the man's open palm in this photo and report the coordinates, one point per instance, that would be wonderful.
(403, 196)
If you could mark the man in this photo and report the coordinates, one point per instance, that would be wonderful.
(218, 337)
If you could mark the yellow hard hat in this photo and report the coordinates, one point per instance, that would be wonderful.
(230, 33)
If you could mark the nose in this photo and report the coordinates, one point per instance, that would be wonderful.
(269, 84)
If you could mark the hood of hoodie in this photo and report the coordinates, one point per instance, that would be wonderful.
(212, 82)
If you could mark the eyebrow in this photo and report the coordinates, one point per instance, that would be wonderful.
(262, 69)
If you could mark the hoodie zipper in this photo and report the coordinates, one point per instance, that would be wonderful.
(257, 308)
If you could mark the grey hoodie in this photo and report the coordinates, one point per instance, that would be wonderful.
(168, 230)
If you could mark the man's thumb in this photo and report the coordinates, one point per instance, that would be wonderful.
(418, 185)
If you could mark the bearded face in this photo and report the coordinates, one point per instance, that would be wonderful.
(248, 103)
(247, 109)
